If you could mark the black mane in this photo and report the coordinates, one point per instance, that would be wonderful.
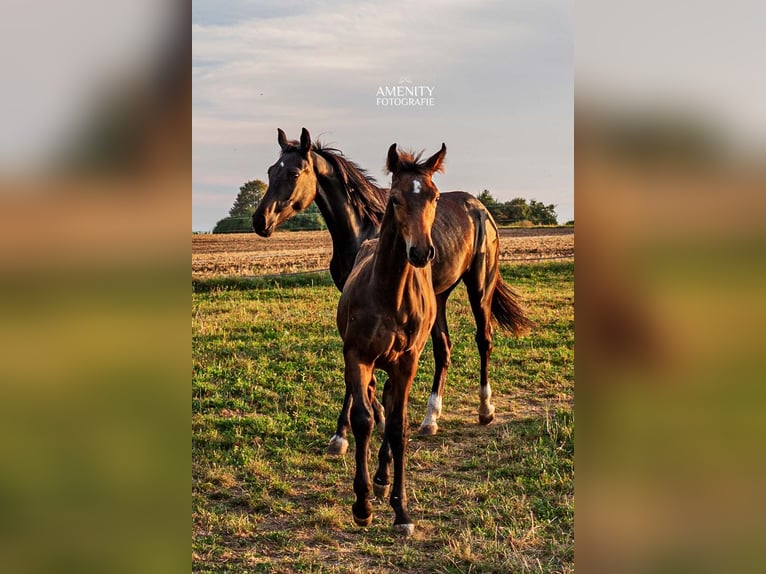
(362, 189)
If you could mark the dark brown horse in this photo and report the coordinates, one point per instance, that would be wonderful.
(386, 311)
(464, 234)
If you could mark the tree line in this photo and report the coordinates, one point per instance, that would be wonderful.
(517, 210)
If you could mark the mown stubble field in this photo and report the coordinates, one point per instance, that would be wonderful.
(290, 252)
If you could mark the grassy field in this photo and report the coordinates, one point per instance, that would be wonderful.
(267, 388)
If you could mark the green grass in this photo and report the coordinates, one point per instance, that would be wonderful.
(266, 392)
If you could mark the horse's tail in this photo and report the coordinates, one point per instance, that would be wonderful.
(508, 311)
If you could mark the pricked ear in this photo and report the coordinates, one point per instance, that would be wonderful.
(436, 161)
(305, 141)
(282, 139)
(392, 160)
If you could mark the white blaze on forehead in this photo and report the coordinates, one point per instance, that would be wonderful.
(415, 186)
(282, 164)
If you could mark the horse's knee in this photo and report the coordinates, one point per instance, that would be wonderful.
(361, 419)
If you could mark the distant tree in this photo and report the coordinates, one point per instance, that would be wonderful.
(492, 205)
(518, 210)
(486, 198)
(541, 214)
(248, 198)
(310, 219)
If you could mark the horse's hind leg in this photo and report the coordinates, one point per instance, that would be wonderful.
(339, 443)
(480, 283)
(381, 482)
(377, 409)
(442, 345)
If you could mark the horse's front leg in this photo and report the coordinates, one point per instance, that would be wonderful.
(357, 380)
(397, 434)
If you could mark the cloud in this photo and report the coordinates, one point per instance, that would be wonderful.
(501, 72)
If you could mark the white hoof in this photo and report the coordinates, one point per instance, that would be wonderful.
(404, 529)
(487, 415)
(426, 430)
(338, 445)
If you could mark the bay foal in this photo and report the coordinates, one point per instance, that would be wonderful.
(385, 315)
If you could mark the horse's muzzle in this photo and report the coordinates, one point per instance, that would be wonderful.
(421, 258)
(261, 227)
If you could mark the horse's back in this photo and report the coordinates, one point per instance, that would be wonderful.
(463, 233)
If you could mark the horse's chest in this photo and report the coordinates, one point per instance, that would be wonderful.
(410, 330)
(385, 337)
(382, 328)
(411, 336)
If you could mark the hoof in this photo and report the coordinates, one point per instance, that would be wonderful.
(380, 490)
(428, 430)
(404, 529)
(338, 445)
(488, 417)
(362, 521)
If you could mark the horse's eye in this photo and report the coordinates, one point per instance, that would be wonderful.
(394, 201)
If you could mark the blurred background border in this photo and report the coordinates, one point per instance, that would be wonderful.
(95, 171)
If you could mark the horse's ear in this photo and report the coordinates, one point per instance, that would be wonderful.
(392, 161)
(305, 141)
(436, 161)
(282, 139)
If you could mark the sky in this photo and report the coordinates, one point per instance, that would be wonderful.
(500, 74)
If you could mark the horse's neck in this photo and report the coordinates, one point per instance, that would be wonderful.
(391, 271)
(348, 227)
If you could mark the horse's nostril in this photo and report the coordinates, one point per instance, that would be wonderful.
(431, 253)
